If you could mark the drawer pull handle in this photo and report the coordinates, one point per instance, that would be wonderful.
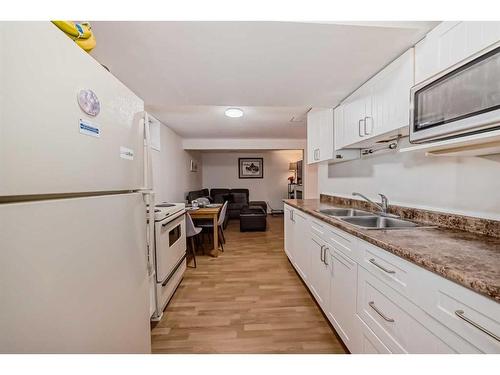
(372, 305)
(460, 314)
(372, 261)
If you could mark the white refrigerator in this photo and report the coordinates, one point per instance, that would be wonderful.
(73, 192)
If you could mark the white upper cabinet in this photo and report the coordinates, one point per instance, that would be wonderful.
(355, 110)
(380, 108)
(321, 123)
(390, 104)
(451, 42)
(319, 134)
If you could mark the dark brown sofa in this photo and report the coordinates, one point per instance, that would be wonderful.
(238, 199)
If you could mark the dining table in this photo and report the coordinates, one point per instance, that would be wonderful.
(211, 212)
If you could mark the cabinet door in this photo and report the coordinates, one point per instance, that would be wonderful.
(338, 127)
(313, 135)
(319, 276)
(301, 254)
(390, 103)
(289, 232)
(427, 52)
(465, 39)
(402, 326)
(354, 116)
(326, 135)
(319, 134)
(342, 302)
(451, 42)
(369, 343)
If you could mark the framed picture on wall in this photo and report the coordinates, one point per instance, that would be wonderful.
(250, 167)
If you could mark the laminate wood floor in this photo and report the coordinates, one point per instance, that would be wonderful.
(248, 300)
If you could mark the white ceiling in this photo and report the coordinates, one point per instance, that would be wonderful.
(189, 72)
(210, 121)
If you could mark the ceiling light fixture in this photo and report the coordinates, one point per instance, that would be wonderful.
(233, 112)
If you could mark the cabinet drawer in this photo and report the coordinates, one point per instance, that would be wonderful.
(473, 317)
(369, 342)
(392, 270)
(318, 227)
(165, 292)
(401, 326)
(342, 241)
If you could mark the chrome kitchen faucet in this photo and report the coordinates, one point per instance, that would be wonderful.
(382, 207)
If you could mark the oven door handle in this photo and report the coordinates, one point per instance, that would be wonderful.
(176, 217)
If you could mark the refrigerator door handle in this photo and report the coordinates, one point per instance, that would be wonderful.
(148, 197)
(148, 165)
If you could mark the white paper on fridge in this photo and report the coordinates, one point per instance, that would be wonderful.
(126, 153)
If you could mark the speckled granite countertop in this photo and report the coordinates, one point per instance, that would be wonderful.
(469, 259)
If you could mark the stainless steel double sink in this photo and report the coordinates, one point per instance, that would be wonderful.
(367, 220)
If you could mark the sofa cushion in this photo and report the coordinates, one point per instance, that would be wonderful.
(228, 197)
(219, 198)
(242, 191)
(240, 198)
(218, 191)
(237, 206)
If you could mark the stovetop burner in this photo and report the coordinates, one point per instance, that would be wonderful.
(165, 205)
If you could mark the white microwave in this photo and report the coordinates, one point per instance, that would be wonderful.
(462, 100)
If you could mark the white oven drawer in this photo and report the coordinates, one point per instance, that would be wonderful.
(170, 245)
(166, 290)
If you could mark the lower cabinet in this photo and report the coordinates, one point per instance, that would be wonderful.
(395, 321)
(342, 301)
(369, 343)
(319, 280)
(380, 303)
(289, 232)
(301, 253)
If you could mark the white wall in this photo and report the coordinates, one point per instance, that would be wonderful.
(467, 185)
(220, 170)
(171, 176)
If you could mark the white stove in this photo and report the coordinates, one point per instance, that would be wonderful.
(164, 210)
(169, 253)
